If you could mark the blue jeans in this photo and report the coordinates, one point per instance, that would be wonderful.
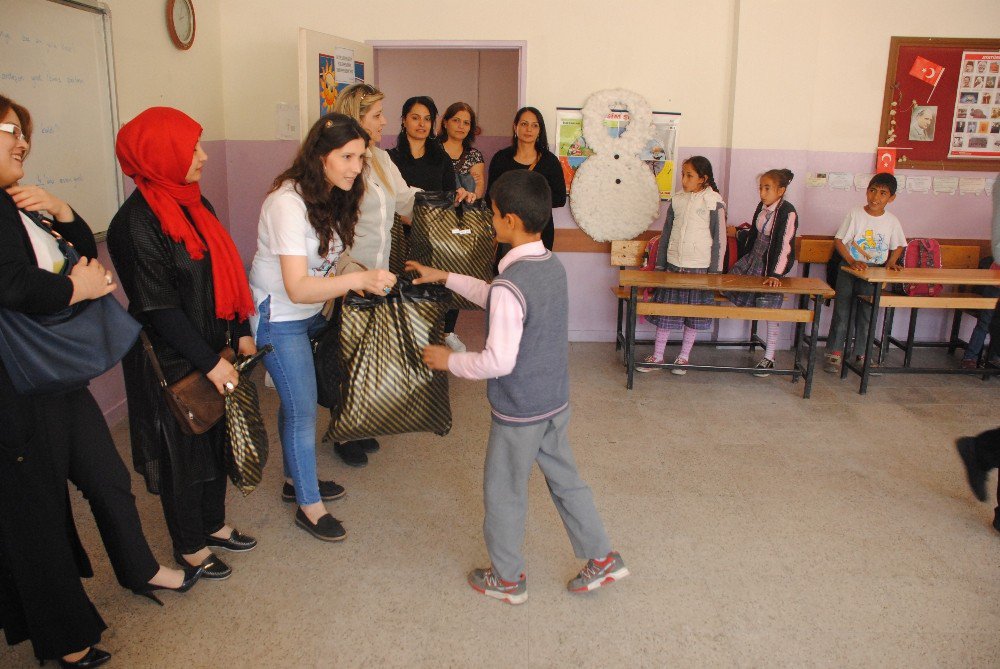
(291, 368)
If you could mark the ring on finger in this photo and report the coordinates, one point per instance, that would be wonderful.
(107, 278)
(230, 386)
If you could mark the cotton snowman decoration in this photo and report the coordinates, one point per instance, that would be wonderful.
(614, 194)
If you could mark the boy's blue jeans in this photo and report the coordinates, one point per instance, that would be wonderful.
(984, 318)
(848, 286)
(291, 367)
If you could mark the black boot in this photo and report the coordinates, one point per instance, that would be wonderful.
(352, 453)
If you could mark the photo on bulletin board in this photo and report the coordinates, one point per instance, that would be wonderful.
(941, 95)
(660, 153)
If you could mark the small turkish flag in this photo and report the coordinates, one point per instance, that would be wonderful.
(926, 70)
(885, 160)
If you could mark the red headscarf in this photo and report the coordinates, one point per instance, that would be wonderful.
(156, 149)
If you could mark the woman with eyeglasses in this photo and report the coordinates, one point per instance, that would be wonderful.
(49, 438)
(529, 150)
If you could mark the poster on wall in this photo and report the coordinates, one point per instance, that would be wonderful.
(328, 83)
(975, 126)
(660, 153)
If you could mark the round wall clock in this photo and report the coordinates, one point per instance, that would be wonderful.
(180, 22)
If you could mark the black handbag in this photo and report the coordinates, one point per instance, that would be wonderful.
(46, 353)
(326, 352)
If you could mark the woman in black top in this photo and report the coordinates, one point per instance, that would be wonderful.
(48, 438)
(186, 284)
(529, 150)
(424, 164)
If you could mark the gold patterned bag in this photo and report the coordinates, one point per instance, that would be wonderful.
(246, 436)
(385, 386)
(453, 239)
(399, 251)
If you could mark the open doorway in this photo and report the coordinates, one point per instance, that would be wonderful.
(489, 76)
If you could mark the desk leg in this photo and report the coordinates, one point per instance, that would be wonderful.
(849, 342)
(886, 334)
(796, 365)
(618, 334)
(811, 366)
(630, 336)
(870, 338)
(909, 338)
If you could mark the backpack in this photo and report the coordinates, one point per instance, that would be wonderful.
(922, 252)
(649, 261)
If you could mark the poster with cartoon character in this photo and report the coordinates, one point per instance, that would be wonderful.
(328, 86)
(660, 153)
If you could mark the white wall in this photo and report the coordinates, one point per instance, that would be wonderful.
(151, 71)
(675, 54)
(811, 75)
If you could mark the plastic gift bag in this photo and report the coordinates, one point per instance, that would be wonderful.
(246, 443)
(385, 387)
(453, 239)
(399, 251)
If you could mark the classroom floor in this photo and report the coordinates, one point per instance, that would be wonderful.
(761, 529)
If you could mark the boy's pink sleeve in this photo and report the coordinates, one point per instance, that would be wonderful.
(500, 354)
(472, 289)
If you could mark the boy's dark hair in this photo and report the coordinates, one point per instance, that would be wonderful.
(884, 179)
(526, 194)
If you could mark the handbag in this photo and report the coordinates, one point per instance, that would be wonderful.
(385, 386)
(246, 444)
(46, 353)
(193, 399)
(326, 344)
(454, 239)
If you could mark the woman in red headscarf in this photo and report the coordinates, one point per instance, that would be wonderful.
(186, 284)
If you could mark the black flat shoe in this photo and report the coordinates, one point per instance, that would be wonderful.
(328, 491)
(212, 568)
(369, 445)
(191, 576)
(351, 453)
(327, 529)
(95, 657)
(237, 542)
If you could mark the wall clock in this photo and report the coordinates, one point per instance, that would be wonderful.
(180, 23)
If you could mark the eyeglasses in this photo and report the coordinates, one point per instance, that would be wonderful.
(12, 129)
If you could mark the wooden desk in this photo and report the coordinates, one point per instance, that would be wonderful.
(633, 280)
(948, 277)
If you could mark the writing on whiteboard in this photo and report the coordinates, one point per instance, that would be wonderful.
(46, 180)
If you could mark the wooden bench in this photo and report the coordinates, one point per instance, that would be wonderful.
(634, 280)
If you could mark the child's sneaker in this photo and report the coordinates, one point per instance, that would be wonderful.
(832, 363)
(679, 361)
(653, 359)
(487, 582)
(764, 365)
(599, 572)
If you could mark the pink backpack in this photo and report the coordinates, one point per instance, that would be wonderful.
(649, 261)
(922, 252)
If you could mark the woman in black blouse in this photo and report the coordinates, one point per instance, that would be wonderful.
(48, 438)
(186, 284)
(529, 150)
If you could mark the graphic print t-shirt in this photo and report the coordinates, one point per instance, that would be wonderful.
(870, 239)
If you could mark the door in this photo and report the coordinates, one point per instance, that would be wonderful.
(328, 64)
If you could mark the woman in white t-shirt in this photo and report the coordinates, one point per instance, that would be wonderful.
(307, 220)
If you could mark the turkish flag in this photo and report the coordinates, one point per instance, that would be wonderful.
(926, 70)
(885, 160)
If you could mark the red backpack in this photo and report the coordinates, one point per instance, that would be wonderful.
(922, 252)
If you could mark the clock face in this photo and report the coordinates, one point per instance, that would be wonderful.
(180, 18)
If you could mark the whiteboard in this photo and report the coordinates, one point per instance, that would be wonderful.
(56, 60)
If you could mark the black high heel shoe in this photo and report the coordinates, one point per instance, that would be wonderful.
(191, 576)
(95, 657)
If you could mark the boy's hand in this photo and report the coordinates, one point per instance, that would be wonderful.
(859, 266)
(772, 281)
(427, 274)
(436, 357)
(895, 267)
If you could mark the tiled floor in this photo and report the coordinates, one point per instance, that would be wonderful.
(761, 530)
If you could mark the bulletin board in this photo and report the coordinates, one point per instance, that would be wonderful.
(927, 104)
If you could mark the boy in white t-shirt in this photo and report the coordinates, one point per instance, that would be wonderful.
(869, 235)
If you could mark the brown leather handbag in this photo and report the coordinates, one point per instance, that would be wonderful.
(193, 399)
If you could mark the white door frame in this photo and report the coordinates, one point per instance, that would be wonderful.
(520, 46)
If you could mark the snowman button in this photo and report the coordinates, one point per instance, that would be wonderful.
(616, 156)
(618, 181)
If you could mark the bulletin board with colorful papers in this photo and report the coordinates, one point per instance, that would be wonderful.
(941, 108)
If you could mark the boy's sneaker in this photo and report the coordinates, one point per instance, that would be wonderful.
(969, 363)
(764, 365)
(679, 361)
(650, 358)
(872, 368)
(599, 572)
(832, 363)
(488, 582)
(452, 341)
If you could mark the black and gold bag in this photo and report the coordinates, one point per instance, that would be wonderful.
(246, 447)
(399, 251)
(453, 239)
(385, 386)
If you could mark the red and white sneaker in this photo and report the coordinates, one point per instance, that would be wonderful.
(599, 572)
(488, 582)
